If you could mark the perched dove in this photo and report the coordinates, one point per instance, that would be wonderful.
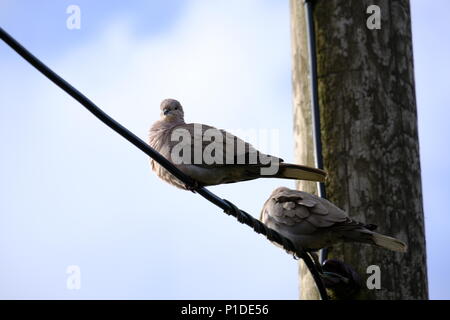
(311, 222)
(212, 156)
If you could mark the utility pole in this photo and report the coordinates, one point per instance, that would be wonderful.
(369, 135)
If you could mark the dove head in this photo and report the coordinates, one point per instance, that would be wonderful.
(278, 190)
(171, 110)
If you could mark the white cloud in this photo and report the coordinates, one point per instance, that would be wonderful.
(222, 61)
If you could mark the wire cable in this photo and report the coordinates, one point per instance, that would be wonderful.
(225, 205)
(315, 110)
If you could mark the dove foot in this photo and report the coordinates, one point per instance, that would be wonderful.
(194, 187)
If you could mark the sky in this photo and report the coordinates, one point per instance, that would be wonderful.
(74, 193)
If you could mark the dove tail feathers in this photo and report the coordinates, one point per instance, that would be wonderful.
(299, 172)
(388, 242)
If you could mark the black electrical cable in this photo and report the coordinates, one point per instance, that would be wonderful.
(225, 205)
(315, 110)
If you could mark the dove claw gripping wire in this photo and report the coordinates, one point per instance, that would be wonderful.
(193, 187)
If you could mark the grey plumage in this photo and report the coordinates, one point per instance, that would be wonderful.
(234, 163)
(311, 222)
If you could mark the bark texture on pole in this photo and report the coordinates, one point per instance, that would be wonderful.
(369, 135)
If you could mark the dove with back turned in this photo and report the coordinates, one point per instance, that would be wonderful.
(212, 156)
(312, 223)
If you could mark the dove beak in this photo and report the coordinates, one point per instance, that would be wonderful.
(166, 111)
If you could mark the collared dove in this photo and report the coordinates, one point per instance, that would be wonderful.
(312, 223)
(230, 158)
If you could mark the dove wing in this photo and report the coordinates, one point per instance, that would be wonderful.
(302, 212)
(224, 147)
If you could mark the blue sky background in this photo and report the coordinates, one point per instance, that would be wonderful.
(72, 192)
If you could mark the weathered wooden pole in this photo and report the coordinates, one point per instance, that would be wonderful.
(369, 134)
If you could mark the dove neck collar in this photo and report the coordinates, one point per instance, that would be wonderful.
(170, 122)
